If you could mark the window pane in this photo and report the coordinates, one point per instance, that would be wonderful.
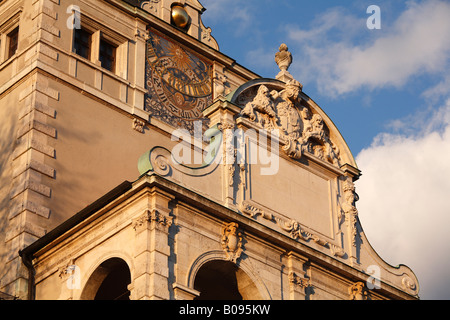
(13, 42)
(82, 43)
(107, 55)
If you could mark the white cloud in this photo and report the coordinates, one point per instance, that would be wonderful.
(417, 43)
(404, 192)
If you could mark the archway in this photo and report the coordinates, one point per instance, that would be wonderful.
(108, 282)
(224, 280)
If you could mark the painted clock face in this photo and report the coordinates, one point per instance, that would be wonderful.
(178, 83)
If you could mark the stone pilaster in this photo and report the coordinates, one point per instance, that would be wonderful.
(222, 113)
(152, 250)
(352, 243)
(32, 176)
(298, 280)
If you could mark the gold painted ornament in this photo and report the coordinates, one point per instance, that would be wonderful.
(180, 17)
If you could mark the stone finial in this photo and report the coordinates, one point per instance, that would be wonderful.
(283, 58)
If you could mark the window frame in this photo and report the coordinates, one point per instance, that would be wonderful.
(89, 45)
(112, 57)
(10, 25)
(100, 32)
(9, 36)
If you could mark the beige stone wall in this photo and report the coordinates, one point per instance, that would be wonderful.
(165, 241)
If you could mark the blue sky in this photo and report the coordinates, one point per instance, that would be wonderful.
(388, 92)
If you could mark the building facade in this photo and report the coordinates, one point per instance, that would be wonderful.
(140, 162)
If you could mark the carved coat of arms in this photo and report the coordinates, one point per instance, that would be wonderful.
(300, 129)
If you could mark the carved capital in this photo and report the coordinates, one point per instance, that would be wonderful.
(152, 218)
(294, 279)
(358, 291)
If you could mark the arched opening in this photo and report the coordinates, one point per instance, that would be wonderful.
(109, 281)
(223, 280)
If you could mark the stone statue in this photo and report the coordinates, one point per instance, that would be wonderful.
(349, 208)
(290, 119)
(261, 109)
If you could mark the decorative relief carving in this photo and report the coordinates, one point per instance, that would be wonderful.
(138, 125)
(348, 207)
(297, 232)
(337, 251)
(70, 273)
(253, 211)
(299, 129)
(156, 216)
(206, 37)
(296, 280)
(66, 270)
(261, 109)
(358, 291)
(292, 227)
(152, 216)
(409, 284)
(151, 6)
(232, 240)
(229, 152)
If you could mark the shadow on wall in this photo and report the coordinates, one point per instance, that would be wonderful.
(8, 129)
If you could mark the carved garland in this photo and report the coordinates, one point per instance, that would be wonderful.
(293, 227)
(152, 216)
